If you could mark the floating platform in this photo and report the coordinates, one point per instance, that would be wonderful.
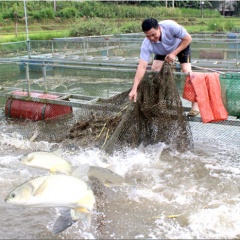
(28, 109)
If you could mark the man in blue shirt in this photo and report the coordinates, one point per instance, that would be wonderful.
(167, 40)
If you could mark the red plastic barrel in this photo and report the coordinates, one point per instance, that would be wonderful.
(17, 108)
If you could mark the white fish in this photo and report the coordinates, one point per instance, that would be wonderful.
(60, 191)
(48, 160)
(105, 175)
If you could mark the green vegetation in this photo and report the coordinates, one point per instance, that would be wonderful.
(74, 19)
(89, 9)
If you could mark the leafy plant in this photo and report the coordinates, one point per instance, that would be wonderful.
(215, 26)
(86, 9)
(229, 25)
(46, 13)
(130, 27)
(92, 27)
(68, 12)
(1, 17)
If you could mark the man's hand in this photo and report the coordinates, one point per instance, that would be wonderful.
(170, 58)
(133, 95)
(141, 69)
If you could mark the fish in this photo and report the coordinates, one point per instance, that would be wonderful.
(51, 161)
(70, 194)
(67, 218)
(54, 163)
(106, 176)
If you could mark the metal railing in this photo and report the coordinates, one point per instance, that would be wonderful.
(205, 47)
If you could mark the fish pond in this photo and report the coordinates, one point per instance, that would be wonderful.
(167, 195)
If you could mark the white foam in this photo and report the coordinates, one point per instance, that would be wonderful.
(17, 140)
(138, 194)
(123, 162)
(220, 222)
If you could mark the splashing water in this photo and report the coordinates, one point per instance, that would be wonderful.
(173, 195)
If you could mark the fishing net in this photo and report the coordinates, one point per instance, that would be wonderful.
(156, 116)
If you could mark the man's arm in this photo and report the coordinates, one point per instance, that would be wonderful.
(142, 66)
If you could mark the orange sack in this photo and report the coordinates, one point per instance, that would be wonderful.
(188, 90)
(205, 89)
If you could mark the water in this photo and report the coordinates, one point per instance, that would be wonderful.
(191, 195)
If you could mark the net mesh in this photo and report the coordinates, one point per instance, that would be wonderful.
(156, 116)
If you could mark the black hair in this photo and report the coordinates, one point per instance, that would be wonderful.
(149, 23)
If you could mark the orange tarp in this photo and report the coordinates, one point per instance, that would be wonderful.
(205, 89)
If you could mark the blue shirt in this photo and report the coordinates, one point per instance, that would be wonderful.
(171, 35)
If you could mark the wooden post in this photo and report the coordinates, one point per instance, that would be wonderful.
(54, 6)
(16, 23)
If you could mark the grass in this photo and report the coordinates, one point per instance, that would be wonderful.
(36, 35)
(46, 30)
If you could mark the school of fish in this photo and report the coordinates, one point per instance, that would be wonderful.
(68, 191)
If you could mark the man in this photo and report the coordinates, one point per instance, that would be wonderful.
(166, 40)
